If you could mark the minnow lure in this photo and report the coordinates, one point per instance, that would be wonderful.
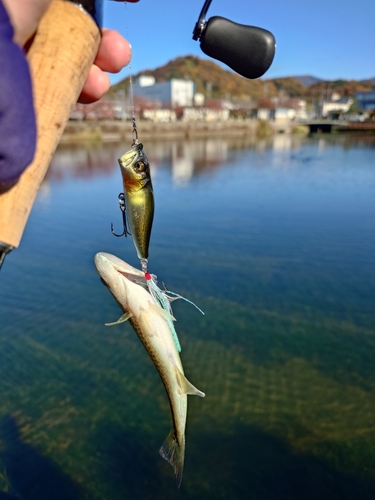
(138, 198)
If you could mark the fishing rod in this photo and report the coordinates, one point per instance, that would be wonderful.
(60, 57)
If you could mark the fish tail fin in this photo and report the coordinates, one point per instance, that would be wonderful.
(174, 452)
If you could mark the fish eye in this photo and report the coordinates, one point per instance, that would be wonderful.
(140, 166)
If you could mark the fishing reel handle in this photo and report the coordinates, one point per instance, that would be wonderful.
(248, 50)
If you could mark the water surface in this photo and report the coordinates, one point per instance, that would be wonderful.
(275, 241)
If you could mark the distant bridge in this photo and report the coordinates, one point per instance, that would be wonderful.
(328, 126)
(324, 126)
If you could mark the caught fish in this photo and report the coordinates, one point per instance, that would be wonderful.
(152, 325)
(139, 197)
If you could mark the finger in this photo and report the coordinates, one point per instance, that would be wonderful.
(114, 52)
(96, 85)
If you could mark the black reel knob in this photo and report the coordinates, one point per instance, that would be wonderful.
(248, 50)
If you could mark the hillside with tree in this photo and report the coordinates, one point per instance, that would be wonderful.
(215, 82)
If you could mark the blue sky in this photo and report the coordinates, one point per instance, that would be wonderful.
(329, 39)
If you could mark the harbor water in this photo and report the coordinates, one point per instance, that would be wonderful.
(275, 240)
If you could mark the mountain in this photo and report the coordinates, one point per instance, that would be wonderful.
(214, 81)
(346, 88)
(286, 87)
(307, 80)
(205, 74)
(369, 80)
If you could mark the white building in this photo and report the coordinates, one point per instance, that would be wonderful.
(160, 115)
(204, 114)
(342, 105)
(173, 93)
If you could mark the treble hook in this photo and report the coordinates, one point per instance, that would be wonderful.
(122, 204)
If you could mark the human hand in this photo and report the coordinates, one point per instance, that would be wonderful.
(17, 118)
(113, 55)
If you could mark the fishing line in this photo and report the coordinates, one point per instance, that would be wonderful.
(134, 130)
(135, 142)
(134, 124)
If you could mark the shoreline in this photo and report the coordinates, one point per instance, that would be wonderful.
(115, 131)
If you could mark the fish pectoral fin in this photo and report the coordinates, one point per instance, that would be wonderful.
(187, 387)
(163, 312)
(123, 318)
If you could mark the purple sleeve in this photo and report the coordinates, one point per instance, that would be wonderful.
(17, 118)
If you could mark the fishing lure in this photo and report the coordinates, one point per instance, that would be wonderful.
(138, 198)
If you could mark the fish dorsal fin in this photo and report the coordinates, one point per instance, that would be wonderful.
(163, 312)
(186, 386)
(123, 318)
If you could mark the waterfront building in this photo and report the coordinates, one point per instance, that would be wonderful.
(174, 93)
(365, 100)
(341, 105)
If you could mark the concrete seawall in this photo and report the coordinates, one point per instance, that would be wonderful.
(115, 131)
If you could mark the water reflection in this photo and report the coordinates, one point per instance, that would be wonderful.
(186, 159)
(82, 162)
(189, 158)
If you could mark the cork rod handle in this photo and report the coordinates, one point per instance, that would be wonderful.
(60, 57)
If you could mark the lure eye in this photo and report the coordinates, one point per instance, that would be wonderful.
(140, 166)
